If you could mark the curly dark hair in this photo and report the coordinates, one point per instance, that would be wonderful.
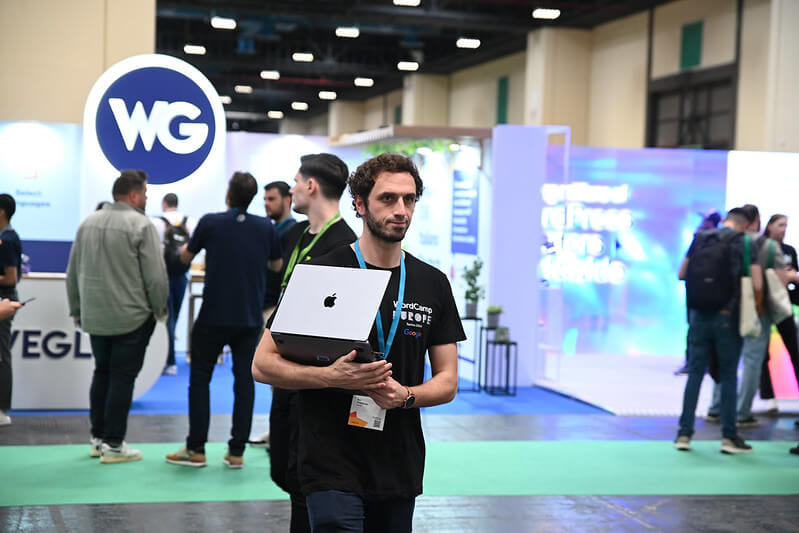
(362, 181)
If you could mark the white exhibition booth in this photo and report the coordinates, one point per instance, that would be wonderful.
(52, 360)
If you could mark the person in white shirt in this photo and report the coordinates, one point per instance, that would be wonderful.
(174, 229)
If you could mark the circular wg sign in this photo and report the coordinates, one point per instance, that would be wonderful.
(156, 113)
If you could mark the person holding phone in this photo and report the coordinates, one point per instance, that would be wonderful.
(8, 308)
(10, 273)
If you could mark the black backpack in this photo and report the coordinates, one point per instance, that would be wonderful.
(709, 282)
(175, 236)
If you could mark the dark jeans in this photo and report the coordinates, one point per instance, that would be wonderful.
(336, 511)
(787, 329)
(207, 343)
(177, 289)
(712, 331)
(6, 379)
(117, 361)
(283, 442)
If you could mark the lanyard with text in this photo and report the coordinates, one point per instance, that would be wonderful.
(297, 254)
(384, 343)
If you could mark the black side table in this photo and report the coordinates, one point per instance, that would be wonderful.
(475, 360)
(502, 361)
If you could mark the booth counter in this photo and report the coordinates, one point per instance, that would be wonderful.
(52, 359)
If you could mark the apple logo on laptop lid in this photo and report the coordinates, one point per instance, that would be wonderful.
(330, 301)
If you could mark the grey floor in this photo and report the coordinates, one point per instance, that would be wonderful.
(441, 514)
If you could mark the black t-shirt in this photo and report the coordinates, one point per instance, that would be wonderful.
(336, 235)
(388, 464)
(790, 259)
(11, 251)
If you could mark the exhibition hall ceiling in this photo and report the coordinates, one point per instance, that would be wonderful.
(254, 64)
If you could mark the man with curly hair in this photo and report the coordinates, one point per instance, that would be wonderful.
(359, 476)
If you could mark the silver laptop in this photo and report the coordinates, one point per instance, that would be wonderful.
(326, 312)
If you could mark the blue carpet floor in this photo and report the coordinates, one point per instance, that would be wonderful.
(169, 395)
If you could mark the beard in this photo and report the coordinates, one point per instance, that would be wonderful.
(384, 231)
(277, 214)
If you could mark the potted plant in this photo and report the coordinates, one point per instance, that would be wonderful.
(474, 291)
(492, 316)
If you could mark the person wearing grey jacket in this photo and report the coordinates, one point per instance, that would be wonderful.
(117, 288)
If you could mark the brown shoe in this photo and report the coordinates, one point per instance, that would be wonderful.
(233, 461)
(186, 457)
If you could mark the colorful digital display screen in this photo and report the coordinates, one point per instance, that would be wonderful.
(613, 237)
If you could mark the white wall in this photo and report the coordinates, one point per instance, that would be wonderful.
(617, 99)
(52, 52)
(718, 33)
(473, 92)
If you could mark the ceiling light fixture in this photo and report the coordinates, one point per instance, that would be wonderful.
(465, 42)
(327, 95)
(407, 3)
(270, 75)
(348, 32)
(408, 65)
(302, 57)
(276, 115)
(243, 89)
(194, 49)
(225, 99)
(299, 106)
(223, 23)
(364, 82)
(546, 14)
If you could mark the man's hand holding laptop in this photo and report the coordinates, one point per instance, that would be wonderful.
(345, 373)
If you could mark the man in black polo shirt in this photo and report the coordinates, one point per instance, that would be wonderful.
(320, 182)
(239, 248)
(361, 455)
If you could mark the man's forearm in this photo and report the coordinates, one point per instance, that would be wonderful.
(439, 389)
(271, 368)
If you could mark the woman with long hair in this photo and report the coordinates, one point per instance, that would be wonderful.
(775, 229)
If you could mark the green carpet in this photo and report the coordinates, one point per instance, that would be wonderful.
(50, 475)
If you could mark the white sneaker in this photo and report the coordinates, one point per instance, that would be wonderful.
(772, 408)
(120, 454)
(261, 442)
(97, 447)
(5, 420)
(171, 370)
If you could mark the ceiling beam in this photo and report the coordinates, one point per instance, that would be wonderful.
(364, 13)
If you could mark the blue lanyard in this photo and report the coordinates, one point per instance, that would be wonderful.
(384, 344)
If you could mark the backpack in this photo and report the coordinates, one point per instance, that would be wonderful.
(175, 236)
(709, 281)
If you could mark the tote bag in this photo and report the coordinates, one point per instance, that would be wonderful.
(779, 302)
(749, 323)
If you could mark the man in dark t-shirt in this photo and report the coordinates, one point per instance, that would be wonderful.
(239, 248)
(718, 331)
(277, 202)
(10, 274)
(361, 454)
(318, 187)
